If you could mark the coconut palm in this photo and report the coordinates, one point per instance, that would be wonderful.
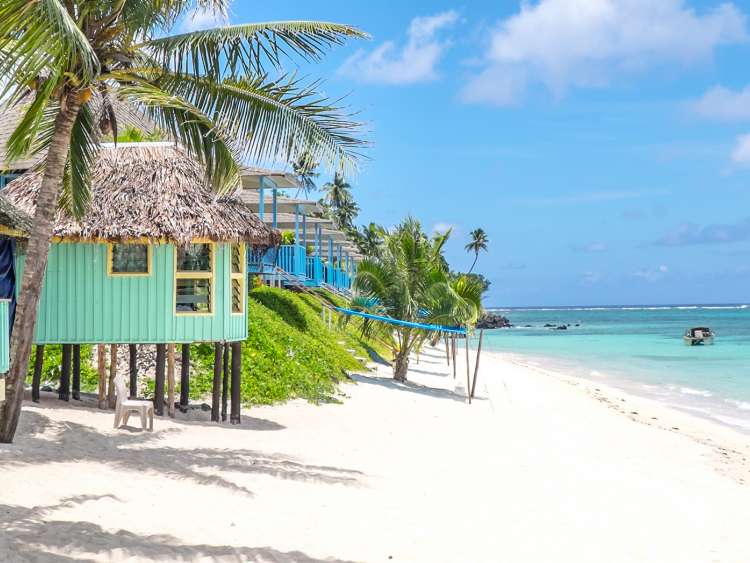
(479, 242)
(338, 192)
(408, 280)
(71, 63)
(304, 168)
(345, 214)
(370, 239)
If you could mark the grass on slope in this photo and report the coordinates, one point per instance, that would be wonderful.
(289, 353)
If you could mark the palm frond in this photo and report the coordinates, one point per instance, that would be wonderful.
(245, 48)
(84, 146)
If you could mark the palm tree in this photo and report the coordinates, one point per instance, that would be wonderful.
(370, 239)
(345, 214)
(71, 62)
(337, 193)
(304, 168)
(479, 242)
(408, 280)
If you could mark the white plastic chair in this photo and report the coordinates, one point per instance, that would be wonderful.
(125, 406)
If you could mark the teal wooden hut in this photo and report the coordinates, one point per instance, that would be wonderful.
(158, 258)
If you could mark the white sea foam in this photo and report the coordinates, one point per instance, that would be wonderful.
(742, 405)
(631, 308)
(700, 392)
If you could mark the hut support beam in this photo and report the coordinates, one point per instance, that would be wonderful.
(453, 354)
(112, 374)
(133, 352)
(161, 350)
(468, 368)
(76, 372)
(234, 417)
(216, 391)
(170, 380)
(225, 383)
(101, 367)
(63, 392)
(476, 365)
(185, 378)
(37, 379)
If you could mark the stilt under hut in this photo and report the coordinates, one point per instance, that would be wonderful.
(158, 259)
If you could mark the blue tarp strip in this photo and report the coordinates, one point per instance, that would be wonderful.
(452, 330)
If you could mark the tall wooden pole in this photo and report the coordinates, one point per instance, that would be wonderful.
(63, 392)
(133, 352)
(447, 351)
(37, 379)
(161, 350)
(234, 417)
(76, 372)
(225, 383)
(185, 377)
(476, 365)
(111, 399)
(216, 391)
(170, 380)
(453, 353)
(468, 368)
(101, 367)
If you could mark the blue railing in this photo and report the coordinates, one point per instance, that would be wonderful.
(293, 259)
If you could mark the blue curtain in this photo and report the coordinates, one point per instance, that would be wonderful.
(8, 275)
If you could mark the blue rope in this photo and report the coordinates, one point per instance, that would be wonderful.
(448, 329)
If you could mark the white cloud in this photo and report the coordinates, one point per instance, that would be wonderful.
(444, 227)
(722, 103)
(652, 275)
(414, 62)
(202, 19)
(741, 152)
(585, 43)
(592, 247)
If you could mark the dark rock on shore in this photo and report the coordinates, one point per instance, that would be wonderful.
(492, 320)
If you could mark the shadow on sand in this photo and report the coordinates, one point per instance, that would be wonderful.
(412, 388)
(31, 534)
(145, 451)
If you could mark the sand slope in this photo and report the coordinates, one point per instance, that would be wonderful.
(539, 468)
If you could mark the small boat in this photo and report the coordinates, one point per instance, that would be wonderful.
(698, 336)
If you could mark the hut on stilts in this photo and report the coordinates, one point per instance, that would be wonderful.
(158, 258)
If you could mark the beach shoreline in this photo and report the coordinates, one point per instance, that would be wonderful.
(394, 472)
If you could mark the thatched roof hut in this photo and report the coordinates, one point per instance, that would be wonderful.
(153, 191)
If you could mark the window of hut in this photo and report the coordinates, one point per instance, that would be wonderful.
(194, 278)
(128, 259)
(237, 272)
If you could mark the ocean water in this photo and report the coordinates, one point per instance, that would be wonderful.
(640, 349)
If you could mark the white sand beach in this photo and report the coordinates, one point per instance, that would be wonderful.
(541, 467)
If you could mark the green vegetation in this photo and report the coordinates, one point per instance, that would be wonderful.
(289, 353)
(53, 361)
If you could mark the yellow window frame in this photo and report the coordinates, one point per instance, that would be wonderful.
(149, 261)
(210, 276)
(240, 276)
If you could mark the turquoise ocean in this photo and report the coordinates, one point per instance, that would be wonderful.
(640, 349)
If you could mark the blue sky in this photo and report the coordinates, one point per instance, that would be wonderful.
(604, 145)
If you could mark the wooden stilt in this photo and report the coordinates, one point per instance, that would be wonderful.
(101, 367)
(216, 391)
(468, 368)
(111, 399)
(234, 417)
(185, 377)
(37, 378)
(63, 392)
(447, 351)
(476, 365)
(133, 352)
(170, 380)
(76, 372)
(225, 383)
(453, 353)
(161, 350)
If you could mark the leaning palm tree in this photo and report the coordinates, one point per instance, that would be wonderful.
(479, 242)
(71, 63)
(408, 280)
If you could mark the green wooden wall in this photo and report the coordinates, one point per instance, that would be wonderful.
(81, 304)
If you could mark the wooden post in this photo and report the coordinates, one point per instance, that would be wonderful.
(159, 380)
(133, 352)
(453, 353)
(111, 399)
(37, 378)
(476, 365)
(170, 380)
(468, 368)
(185, 378)
(447, 351)
(234, 417)
(101, 365)
(225, 383)
(76, 372)
(216, 391)
(63, 392)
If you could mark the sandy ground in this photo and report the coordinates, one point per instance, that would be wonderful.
(541, 467)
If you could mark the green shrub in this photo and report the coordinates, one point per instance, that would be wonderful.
(53, 361)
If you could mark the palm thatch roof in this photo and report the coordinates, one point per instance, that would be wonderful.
(13, 218)
(152, 191)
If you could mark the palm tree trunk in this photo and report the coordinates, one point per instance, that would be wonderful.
(401, 362)
(35, 265)
(474, 263)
